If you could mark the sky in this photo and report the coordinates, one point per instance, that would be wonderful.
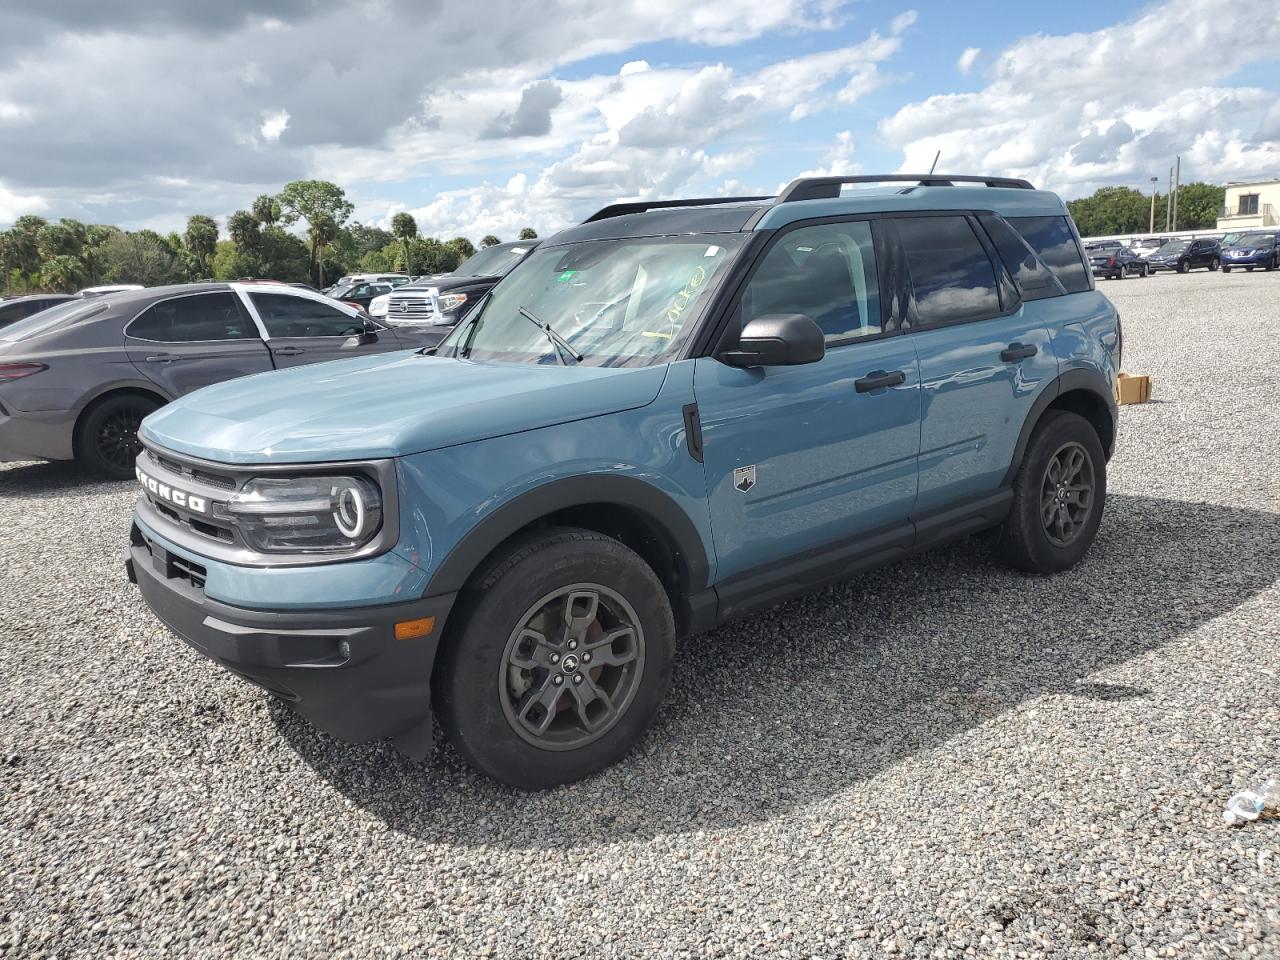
(485, 117)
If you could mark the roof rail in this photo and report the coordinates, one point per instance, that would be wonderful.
(640, 206)
(824, 188)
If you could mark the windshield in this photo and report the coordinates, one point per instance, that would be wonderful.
(491, 262)
(617, 302)
(1175, 246)
(1256, 240)
(46, 320)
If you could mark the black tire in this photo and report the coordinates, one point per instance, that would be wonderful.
(475, 683)
(1146, 272)
(106, 440)
(1226, 269)
(1273, 263)
(1214, 264)
(1182, 266)
(1025, 540)
(1248, 269)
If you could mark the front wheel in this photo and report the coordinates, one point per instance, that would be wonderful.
(106, 440)
(1058, 496)
(1273, 263)
(1226, 269)
(562, 657)
(1214, 264)
(1182, 266)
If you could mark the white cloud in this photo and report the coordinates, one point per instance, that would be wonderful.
(633, 66)
(838, 160)
(274, 123)
(967, 59)
(1054, 111)
(13, 205)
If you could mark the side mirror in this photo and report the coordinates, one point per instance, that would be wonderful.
(778, 340)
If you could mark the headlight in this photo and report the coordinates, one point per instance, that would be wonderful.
(378, 305)
(449, 302)
(306, 514)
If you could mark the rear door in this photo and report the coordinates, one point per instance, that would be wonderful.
(984, 356)
(303, 329)
(191, 341)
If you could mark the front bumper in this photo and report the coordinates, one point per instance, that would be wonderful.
(343, 670)
(1253, 260)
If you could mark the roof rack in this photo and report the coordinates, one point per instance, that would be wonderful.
(825, 188)
(640, 206)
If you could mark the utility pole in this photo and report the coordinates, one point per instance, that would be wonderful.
(1177, 185)
(1151, 228)
(1168, 203)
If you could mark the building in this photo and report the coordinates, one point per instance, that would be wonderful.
(1251, 204)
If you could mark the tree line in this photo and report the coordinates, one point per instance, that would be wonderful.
(67, 255)
(1119, 210)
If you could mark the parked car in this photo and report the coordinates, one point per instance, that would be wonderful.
(1261, 249)
(1116, 263)
(1147, 246)
(1103, 245)
(395, 279)
(1184, 255)
(11, 311)
(360, 293)
(674, 414)
(435, 305)
(77, 379)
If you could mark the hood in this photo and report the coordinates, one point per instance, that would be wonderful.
(446, 282)
(388, 406)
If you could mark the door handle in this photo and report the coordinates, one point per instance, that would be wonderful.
(878, 379)
(163, 358)
(1018, 351)
(287, 351)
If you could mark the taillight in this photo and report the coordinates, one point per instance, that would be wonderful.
(16, 371)
(1111, 262)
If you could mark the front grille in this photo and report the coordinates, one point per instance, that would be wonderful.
(219, 480)
(410, 308)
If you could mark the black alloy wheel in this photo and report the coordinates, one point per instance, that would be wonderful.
(1066, 494)
(571, 667)
(106, 440)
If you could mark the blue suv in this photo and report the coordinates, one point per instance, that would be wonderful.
(666, 417)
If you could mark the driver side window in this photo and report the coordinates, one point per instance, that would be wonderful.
(826, 272)
(287, 316)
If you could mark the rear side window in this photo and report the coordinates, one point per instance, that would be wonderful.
(826, 272)
(1034, 279)
(951, 274)
(1054, 242)
(194, 319)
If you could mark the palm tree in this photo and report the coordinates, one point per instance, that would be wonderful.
(323, 231)
(404, 227)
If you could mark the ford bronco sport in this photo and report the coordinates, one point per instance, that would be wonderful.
(665, 417)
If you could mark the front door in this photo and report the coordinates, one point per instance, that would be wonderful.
(802, 458)
(194, 340)
(302, 329)
(984, 356)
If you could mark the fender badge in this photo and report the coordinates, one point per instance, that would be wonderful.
(744, 478)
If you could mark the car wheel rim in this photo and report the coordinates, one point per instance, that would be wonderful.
(1066, 495)
(117, 438)
(571, 667)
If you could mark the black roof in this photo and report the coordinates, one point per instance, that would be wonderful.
(37, 296)
(151, 294)
(730, 217)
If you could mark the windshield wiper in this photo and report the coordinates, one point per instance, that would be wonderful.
(558, 342)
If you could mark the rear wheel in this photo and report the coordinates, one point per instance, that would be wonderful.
(1226, 269)
(107, 436)
(1058, 496)
(562, 658)
(1273, 262)
(1214, 264)
(1182, 266)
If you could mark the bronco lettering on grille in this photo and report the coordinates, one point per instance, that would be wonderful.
(179, 498)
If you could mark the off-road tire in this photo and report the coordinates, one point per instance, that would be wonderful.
(1024, 541)
(471, 697)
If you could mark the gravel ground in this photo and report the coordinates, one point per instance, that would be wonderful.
(941, 759)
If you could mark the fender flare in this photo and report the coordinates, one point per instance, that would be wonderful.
(657, 507)
(1080, 378)
(136, 386)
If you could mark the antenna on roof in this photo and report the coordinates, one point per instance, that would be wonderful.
(934, 166)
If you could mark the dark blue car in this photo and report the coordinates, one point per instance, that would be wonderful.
(1255, 249)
